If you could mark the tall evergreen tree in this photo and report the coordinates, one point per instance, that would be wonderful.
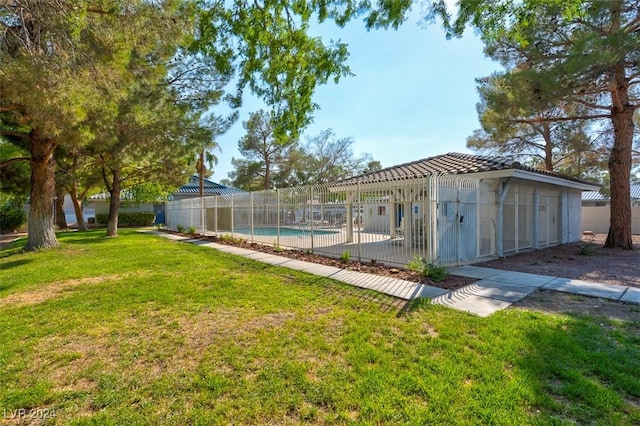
(517, 122)
(583, 52)
(49, 64)
(265, 154)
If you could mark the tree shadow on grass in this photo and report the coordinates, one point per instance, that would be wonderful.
(83, 238)
(585, 367)
(13, 248)
(382, 301)
(15, 263)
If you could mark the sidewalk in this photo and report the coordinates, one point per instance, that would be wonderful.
(495, 289)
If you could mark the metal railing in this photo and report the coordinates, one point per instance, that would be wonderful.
(447, 219)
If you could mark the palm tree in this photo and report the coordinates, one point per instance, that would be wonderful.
(205, 162)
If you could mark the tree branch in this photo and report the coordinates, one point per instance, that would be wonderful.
(572, 118)
(15, 134)
(5, 163)
(591, 105)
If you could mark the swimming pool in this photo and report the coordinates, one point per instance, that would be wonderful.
(272, 231)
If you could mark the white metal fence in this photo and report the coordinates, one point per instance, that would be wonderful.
(448, 219)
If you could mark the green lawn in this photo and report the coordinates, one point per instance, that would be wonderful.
(141, 330)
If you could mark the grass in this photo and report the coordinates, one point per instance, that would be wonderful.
(141, 330)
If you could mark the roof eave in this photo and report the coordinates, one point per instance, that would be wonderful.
(537, 177)
(556, 180)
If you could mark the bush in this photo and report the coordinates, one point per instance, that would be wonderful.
(226, 238)
(129, 218)
(587, 249)
(437, 272)
(427, 269)
(192, 230)
(180, 229)
(345, 256)
(12, 216)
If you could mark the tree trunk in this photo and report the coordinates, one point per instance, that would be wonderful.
(114, 204)
(620, 165)
(61, 220)
(77, 207)
(267, 174)
(548, 147)
(40, 228)
(619, 173)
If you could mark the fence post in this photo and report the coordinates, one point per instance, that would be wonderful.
(536, 217)
(191, 214)
(215, 216)
(232, 216)
(458, 224)
(435, 194)
(503, 189)
(251, 216)
(202, 214)
(311, 209)
(278, 217)
(359, 219)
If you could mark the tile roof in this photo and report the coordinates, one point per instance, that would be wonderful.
(210, 188)
(452, 163)
(597, 196)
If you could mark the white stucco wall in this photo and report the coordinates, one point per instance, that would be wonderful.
(596, 219)
(574, 213)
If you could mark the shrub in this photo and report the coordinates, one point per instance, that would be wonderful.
(416, 264)
(427, 269)
(12, 216)
(587, 249)
(227, 238)
(437, 272)
(129, 218)
(180, 229)
(192, 230)
(345, 256)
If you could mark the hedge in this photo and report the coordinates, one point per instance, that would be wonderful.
(129, 218)
(12, 216)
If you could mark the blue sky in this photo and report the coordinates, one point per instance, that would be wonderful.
(413, 94)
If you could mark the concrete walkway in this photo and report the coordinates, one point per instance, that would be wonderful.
(495, 289)
(500, 288)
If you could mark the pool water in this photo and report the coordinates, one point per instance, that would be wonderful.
(272, 231)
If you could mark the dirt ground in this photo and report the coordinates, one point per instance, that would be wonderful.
(587, 260)
(555, 302)
(6, 239)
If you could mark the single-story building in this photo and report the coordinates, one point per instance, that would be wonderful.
(598, 199)
(596, 211)
(461, 207)
(99, 203)
(450, 209)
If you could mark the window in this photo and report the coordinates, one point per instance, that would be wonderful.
(382, 210)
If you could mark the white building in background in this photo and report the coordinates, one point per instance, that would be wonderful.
(596, 211)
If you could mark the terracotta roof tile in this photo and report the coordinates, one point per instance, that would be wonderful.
(452, 163)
